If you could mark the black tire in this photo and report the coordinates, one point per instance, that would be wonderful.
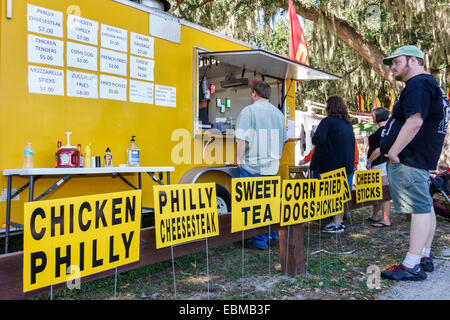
(223, 198)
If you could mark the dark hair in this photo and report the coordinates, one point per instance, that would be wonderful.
(261, 88)
(419, 60)
(381, 114)
(336, 107)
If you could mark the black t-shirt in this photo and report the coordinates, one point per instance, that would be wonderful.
(374, 142)
(334, 143)
(421, 94)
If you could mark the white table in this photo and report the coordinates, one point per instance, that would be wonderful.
(66, 173)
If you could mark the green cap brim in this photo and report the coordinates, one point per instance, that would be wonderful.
(388, 60)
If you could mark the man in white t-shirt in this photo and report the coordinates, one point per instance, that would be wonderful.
(260, 135)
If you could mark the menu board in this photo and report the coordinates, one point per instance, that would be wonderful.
(45, 80)
(83, 85)
(113, 88)
(114, 38)
(165, 96)
(82, 29)
(142, 45)
(141, 91)
(98, 64)
(44, 21)
(81, 56)
(44, 50)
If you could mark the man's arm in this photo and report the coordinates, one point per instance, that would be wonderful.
(240, 151)
(407, 133)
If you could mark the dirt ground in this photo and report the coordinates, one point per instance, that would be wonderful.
(339, 267)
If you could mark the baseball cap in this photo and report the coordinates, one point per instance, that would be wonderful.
(411, 51)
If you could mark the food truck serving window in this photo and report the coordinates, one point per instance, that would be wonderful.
(224, 80)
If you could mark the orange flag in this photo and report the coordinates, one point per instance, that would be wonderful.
(368, 102)
(298, 50)
(392, 98)
(377, 103)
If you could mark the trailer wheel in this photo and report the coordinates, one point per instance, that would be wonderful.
(223, 199)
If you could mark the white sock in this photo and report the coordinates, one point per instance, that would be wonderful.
(411, 260)
(426, 252)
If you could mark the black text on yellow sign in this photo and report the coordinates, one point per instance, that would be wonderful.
(311, 199)
(368, 185)
(255, 202)
(185, 212)
(343, 174)
(88, 234)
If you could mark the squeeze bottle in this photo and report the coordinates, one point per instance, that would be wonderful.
(87, 156)
(28, 156)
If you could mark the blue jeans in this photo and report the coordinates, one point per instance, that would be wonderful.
(261, 241)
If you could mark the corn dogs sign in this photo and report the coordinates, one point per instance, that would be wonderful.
(85, 234)
(311, 199)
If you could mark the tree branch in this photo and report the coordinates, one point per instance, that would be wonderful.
(349, 35)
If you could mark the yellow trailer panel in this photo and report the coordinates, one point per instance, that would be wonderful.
(42, 53)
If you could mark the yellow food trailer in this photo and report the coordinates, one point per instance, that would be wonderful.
(108, 70)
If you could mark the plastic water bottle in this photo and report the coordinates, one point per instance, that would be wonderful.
(28, 156)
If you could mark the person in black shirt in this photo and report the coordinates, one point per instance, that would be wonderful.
(334, 143)
(378, 161)
(412, 140)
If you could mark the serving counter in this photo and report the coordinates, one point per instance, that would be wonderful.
(65, 174)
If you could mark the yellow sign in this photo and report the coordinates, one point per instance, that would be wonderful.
(368, 185)
(185, 212)
(311, 199)
(255, 202)
(339, 173)
(85, 235)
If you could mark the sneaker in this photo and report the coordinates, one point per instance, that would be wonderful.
(248, 244)
(333, 228)
(400, 272)
(427, 264)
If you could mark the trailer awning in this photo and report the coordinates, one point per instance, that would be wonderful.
(269, 64)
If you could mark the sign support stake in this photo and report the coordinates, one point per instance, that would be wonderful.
(207, 266)
(173, 273)
(242, 265)
(115, 282)
(307, 253)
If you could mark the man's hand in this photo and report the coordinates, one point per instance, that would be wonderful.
(393, 158)
(408, 131)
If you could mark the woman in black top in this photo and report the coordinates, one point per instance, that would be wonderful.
(334, 143)
(378, 161)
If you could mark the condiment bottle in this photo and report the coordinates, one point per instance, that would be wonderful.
(132, 154)
(28, 156)
(108, 158)
(81, 156)
(87, 156)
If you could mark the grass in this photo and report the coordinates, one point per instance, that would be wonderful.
(336, 268)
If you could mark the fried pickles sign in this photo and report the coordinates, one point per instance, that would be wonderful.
(82, 234)
(185, 212)
(311, 199)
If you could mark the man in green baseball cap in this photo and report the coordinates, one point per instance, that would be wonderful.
(410, 51)
(401, 64)
(412, 141)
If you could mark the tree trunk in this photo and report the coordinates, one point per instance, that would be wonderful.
(349, 35)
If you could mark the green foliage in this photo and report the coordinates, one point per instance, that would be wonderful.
(386, 24)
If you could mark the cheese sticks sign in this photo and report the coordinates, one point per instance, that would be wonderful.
(368, 185)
